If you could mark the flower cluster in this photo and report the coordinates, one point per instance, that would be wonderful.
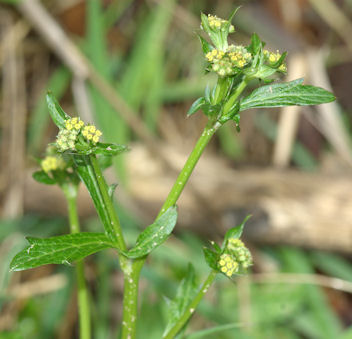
(90, 132)
(52, 163)
(67, 137)
(272, 58)
(218, 23)
(227, 63)
(74, 123)
(235, 257)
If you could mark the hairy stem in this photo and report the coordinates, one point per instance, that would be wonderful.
(191, 307)
(70, 191)
(130, 301)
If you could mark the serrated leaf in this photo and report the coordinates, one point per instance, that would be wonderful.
(286, 94)
(206, 46)
(62, 249)
(154, 235)
(43, 178)
(235, 232)
(184, 295)
(197, 105)
(211, 258)
(56, 112)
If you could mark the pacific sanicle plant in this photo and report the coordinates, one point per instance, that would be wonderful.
(79, 155)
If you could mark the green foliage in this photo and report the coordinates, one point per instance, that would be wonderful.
(184, 295)
(56, 112)
(43, 178)
(154, 235)
(286, 94)
(235, 232)
(63, 249)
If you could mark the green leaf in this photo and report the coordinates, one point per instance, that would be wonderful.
(211, 258)
(233, 13)
(235, 232)
(286, 94)
(109, 149)
(256, 44)
(154, 235)
(62, 249)
(204, 23)
(43, 178)
(185, 294)
(105, 162)
(56, 112)
(197, 105)
(86, 173)
(206, 46)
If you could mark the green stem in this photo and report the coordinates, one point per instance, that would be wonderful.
(132, 278)
(70, 191)
(188, 168)
(239, 89)
(114, 220)
(130, 301)
(191, 307)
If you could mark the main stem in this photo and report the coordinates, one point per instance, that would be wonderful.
(70, 191)
(131, 278)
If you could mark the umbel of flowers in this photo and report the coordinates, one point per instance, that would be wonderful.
(235, 259)
(229, 60)
(74, 128)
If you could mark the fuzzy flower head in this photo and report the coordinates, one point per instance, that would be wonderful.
(235, 259)
(66, 139)
(91, 133)
(52, 163)
(229, 62)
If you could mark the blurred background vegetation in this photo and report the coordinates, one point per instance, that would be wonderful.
(133, 67)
